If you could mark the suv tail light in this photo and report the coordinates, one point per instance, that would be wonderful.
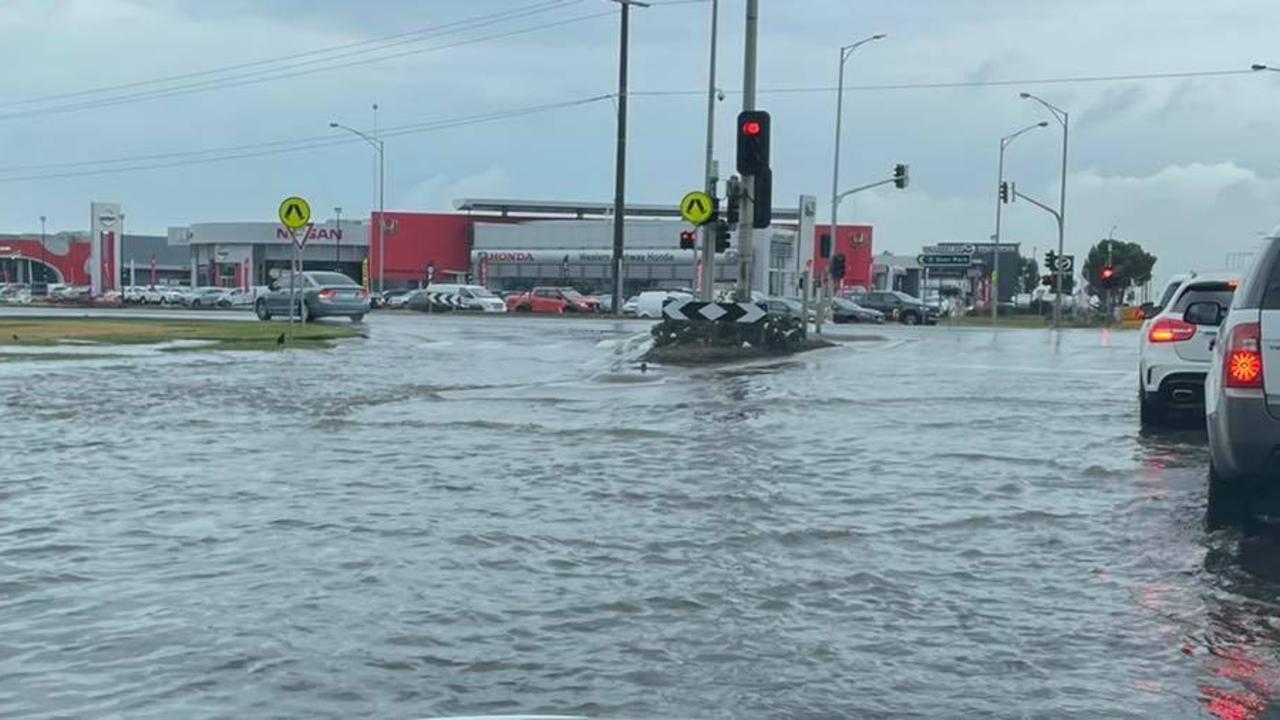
(326, 294)
(1171, 330)
(362, 293)
(1243, 367)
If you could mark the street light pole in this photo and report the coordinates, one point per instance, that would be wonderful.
(845, 52)
(337, 241)
(377, 145)
(708, 279)
(620, 162)
(1063, 119)
(995, 258)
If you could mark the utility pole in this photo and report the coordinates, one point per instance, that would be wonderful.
(1002, 197)
(709, 230)
(746, 225)
(620, 163)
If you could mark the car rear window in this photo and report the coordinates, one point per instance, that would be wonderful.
(324, 278)
(1218, 292)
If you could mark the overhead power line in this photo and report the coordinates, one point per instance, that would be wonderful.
(1081, 79)
(212, 155)
(374, 44)
(277, 74)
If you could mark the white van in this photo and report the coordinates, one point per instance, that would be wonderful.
(465, 297)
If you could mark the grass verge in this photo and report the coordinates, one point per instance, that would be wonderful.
(224, 335)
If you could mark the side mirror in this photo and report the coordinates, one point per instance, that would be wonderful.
(1203, 313)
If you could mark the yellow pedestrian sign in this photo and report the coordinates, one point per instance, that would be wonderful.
(698, 208)
(295, 212)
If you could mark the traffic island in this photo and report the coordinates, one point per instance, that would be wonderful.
(48, 332)
(703, 342)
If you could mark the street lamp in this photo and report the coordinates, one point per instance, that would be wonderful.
(620, 162)
(1063, 119)
(845, 52)
(1259, 66)
(995, 257)
(377, 145)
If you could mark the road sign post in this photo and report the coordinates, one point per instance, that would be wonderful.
(295, 213)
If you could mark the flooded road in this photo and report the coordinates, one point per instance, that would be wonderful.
(497, 515)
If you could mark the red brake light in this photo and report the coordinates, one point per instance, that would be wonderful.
(1171, 330)
(1243, 367)
(326, 294)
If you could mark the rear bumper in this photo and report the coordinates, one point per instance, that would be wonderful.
(1244, 439)
(320, 308)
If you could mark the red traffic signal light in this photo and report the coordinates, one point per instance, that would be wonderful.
(1108, 272)
(753, 142)
(686, 240)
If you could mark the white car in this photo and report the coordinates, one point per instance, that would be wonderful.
(238, 297)
(1175, 351)
(206, 297)
(468, 297)
(649, 303)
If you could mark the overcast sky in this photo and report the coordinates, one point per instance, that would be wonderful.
(1185, 166)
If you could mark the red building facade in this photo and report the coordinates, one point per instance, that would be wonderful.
(855, 242)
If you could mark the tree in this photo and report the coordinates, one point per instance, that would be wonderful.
(1131, 265)
(1028, 274)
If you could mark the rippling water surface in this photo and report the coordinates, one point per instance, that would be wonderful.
(464, 516)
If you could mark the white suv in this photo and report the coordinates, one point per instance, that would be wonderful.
(1175, 351)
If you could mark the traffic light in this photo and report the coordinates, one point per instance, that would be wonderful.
(762, 210)
(1108, 276)
(824, 246)
(733, 189)
(753, 142)
(838, 266)
(1004, 192)
(901, 176)
(1051, 261)
(1046, 280)
(686, 239)
(722, 236)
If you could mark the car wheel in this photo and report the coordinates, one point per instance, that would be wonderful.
(1228, 504)
(1151, 411)
(260, 308)
(910, 319)
(357, 318)
(195, 303)
(523, 308)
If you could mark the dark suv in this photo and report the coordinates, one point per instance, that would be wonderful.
(900, 306)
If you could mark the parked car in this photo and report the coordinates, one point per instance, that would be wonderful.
(1241, 406)
(445, 297)
(206, 297)
(848, 311)
(315, 295)
(648, 304)
(784, 306)
(396, 298)
(555, 300)
(1174, 350)
(897, 305)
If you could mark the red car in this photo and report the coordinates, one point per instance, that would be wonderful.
(554, 300)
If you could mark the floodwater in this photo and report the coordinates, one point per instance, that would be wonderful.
(474, 515)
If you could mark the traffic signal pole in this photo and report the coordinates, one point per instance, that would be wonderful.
(620, 165)
(709, 230)
(746, 224)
